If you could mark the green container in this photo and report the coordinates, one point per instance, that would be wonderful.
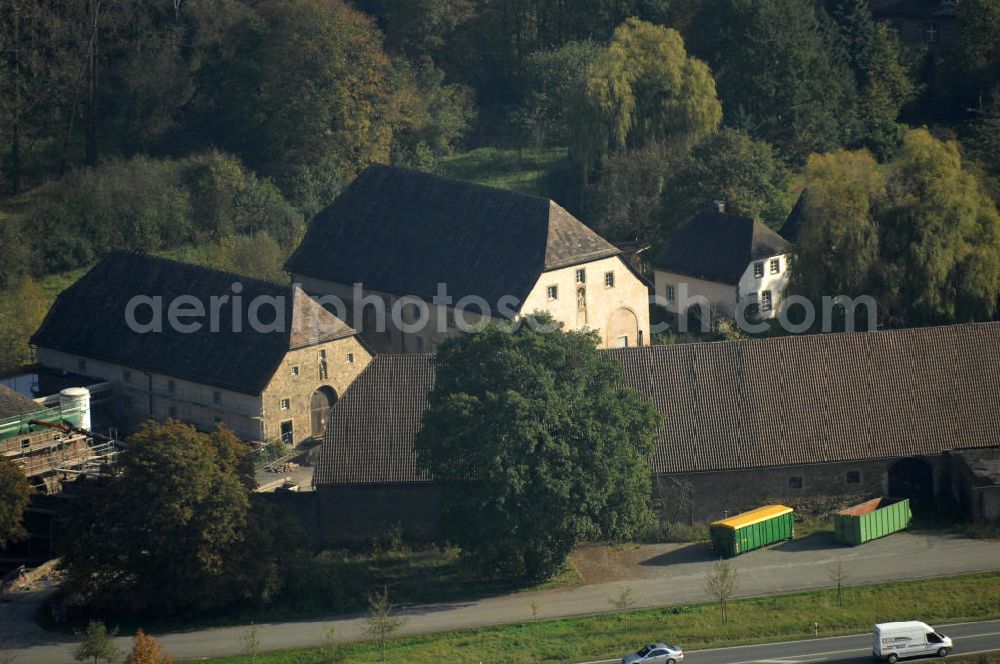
(752, 530)
(870, 520)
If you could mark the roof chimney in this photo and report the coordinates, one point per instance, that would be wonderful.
(719, 206)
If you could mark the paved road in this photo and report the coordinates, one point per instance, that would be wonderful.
(968, 638)
(791, 566)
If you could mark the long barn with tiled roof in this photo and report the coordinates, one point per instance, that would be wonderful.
(798, 418)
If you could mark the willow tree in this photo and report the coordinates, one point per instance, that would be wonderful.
(941, 236)
(838, 239)
(644, 88)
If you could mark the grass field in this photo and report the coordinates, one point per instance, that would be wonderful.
(524, 170)
(782, 617)
(984, 658)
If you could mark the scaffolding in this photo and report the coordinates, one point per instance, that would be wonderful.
(50, 443)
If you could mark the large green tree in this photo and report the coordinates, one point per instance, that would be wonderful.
(534, 446)
(974, 57)
(554, 81)
(301, 93)
(626, 202)
(882, 75)
(730, 166)
(165, 533)
(644, 88)
(837, 249)
(939, 237)
(14, 494)
(781, 71)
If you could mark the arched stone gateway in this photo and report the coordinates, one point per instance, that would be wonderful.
(622, 329)
(322, 400)
(912, 478)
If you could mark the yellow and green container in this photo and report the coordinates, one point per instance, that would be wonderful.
(871, 519)
(752, 530)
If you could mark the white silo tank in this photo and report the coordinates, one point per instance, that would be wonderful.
(78, 398)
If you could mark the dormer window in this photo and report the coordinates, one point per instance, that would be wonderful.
(758, 269)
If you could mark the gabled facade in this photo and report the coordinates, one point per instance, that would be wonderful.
(726, 260)
(271, 381)
(404, 234)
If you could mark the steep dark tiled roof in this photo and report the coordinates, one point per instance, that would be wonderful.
(14, 403)
(718, 247)
(404, 232)
(793, 223)
(370, 432)
(88, 319)
(740, 404)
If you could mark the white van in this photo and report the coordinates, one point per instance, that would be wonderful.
(896, 640)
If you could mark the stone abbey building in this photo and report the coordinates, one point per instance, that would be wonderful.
(276, 382)
(404, 234)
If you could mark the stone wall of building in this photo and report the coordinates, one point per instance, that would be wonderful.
(812, 489)
(142, 396)
(330, 367)
(376, 307)
(614, 311)
(721, 297)
(601, 308)
(356, 515)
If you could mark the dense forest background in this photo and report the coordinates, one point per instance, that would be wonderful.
(224, 125)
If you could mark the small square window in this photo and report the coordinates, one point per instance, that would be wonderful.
(322, 355)
(671, 295)
(795, 482)
(553, 292)
(285, 404)
(171, 386)
(295, 370)
(217, 396)
(350, 358)
(25, 443)
(581, 276)
(853, 477)
(775, 265)
(758, 269)
(609, 279)
(127, 376)
(765, 301)
(81, 365)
